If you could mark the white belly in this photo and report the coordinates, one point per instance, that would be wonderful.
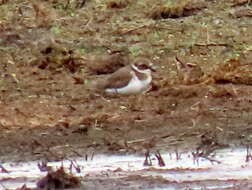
(135, 86)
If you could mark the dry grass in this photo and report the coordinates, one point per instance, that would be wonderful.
(119, 4)
(176, 9)
(240, 2)
(242, 12)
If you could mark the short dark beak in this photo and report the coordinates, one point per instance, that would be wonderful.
(152, 69)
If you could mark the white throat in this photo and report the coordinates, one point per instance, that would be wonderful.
(145, 71)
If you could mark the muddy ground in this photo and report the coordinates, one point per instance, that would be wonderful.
(52, 51)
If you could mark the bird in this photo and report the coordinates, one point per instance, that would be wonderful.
(134, 78)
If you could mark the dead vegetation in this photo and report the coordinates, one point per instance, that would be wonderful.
(241, 2)
(58, 179)
(3, 2)
(233, 71)
(242, 12)
(176, 9)
(118, 3)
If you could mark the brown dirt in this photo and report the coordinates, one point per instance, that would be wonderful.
(51, 51)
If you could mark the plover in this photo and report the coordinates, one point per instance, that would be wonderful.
(131, 79)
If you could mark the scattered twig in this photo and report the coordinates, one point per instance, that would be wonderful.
(212, 44)
(161, 162)
(196, 155)
(136, 141)
(67, 4)
(92, 155)
(77, 153)
(207, 146)
(43, 167)
(248, 155)
(211, 159)
(178, 155)
(75, 166)
(165, 136)
(81, 4)
(133, 29)
(23, 187)
(240, 3)
(180, 64)
(86, 157)
(195, 158)
(147, 161)
(3, 170)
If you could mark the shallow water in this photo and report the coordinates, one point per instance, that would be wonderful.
(232, 166)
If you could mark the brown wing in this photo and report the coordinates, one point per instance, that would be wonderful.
(119, 79)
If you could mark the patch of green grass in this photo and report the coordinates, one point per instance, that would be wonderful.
(55, 29)
(134, 50)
